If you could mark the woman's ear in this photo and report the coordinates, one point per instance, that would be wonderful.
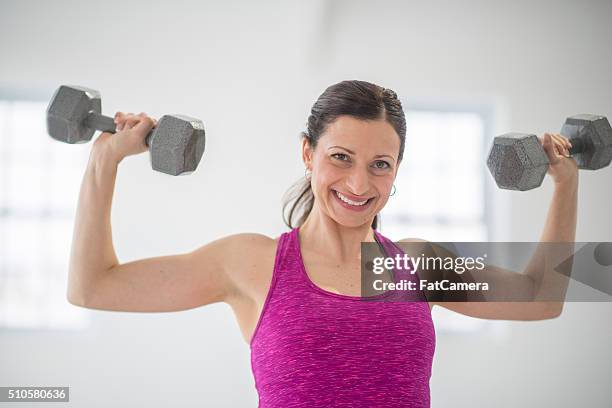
(307, 153)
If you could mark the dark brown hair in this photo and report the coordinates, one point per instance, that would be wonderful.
(360, 99)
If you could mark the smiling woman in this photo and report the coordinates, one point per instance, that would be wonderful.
(356, 161)
(314, 339)
(317, 343)
(350, 109)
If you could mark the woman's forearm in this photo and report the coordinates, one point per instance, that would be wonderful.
(92, 252)
(556, 245)
(560, 225)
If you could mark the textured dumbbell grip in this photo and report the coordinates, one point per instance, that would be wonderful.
(106, 124)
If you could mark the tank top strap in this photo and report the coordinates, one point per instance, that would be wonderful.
(287, 274)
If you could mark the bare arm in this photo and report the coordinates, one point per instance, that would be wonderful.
(209, 274)
(538, 278)
(97, 280)
(92, 253)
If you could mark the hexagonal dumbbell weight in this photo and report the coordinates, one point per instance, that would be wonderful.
(518, 161)
(176, 144)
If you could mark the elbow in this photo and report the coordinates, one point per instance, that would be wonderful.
(77, 296)
(75, 299)
(552, 310)
(79, 288)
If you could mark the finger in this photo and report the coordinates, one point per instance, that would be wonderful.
(131, 121)
(563, 140)
(122, 119)
(561, 145)
(549, 146)
(567, 141)
(547, 141)
(562, 136)
(553, 143)
(119, 119)
(143, 115)
(145, 124)
(567, 144)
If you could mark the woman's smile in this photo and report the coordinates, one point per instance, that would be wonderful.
(353, 205)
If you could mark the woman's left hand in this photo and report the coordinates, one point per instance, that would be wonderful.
(563, 168)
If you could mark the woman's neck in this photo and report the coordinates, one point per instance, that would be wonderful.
(338, 243)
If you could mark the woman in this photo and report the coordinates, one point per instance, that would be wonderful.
(296, 297)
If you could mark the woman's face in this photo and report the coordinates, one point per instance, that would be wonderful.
(355, 161)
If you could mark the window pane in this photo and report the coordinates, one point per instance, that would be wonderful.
(435, 140)
(415, 195)
(64, 183)
(26, 129)
(464, 194)
(24, 186)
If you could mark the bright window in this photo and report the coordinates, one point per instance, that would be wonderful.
(39, 184)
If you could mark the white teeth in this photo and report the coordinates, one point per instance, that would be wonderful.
(351, 202)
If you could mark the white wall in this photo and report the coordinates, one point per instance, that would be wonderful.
(251, 70)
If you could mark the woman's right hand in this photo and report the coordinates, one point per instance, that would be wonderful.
(130, 136)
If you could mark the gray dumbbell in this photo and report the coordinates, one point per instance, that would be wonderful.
(518, 161)
(176, 144)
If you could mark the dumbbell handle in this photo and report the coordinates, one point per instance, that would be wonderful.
(106, 124)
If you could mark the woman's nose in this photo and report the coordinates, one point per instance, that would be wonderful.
(358, 182)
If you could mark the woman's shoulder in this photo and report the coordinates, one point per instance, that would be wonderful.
(249, 261)
(251, 238)
(245, 246)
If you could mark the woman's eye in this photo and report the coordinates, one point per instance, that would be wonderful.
(382, 165)
(379, 165)
(342, 156)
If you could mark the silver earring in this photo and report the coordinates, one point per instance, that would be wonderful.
(393, 193)
(307, 174)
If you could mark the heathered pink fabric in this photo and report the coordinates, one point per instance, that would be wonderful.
(314, 348)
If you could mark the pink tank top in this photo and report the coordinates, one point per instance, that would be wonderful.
(315, 348)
